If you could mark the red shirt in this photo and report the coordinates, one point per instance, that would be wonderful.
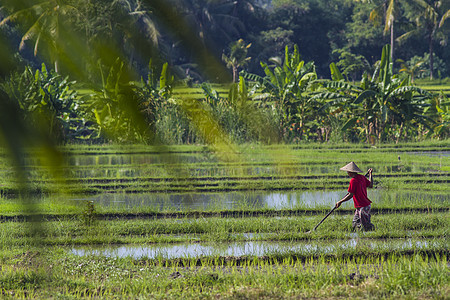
(358, 187)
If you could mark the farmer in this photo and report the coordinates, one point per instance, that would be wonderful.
(358, 190)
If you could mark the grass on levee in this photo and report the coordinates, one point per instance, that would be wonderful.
(40, 274)
(80, 230)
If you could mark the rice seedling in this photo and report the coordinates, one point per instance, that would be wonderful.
(363, 276)
(227, 230)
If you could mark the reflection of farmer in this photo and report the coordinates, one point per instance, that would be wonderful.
(358, 190)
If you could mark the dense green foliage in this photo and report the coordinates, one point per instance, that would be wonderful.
(323, 29)
(100, 52)
(288, 104)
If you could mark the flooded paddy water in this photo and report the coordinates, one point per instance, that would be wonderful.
(254, 200)
(207, 164)
(135, 173)
(252, 248)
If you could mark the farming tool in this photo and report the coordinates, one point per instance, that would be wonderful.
(315, 227)
(331, 211)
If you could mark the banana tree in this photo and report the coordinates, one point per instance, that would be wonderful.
(382, 103)
(439, 110)
(286, 86)
(113, 107)
(48, 100)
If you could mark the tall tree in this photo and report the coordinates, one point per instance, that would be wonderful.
(214, 21)
(387, 11)
(429, 17)
(118, 19)
(42, 22)
(237, 57)
(389, 24)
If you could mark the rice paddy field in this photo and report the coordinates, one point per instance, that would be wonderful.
(134, 222)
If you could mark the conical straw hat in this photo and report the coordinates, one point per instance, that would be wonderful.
(351, 167)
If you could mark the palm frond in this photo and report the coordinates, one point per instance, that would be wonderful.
(444, 17)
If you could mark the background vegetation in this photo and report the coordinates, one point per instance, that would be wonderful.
(142, 70)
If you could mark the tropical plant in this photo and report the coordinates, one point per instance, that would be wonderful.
(389, 23)
(163, 115)
(412, 68)
(439, 110)
(214, 20)
(225, 111)
(419, 66)
(127, 24)
(351, 64)
(389, 12)
(46, 25)
(113, 107)
(384, 104)
(49, 101)
(237, 57)
(430, 17)
(286, 85)
(154, 90)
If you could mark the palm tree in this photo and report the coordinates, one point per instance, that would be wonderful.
(384, 11)
(413, 69)
(129, 23)
(237, 58)
(429, 16)
(42, 22)
(389, 24)
(215, 21)
(388, 10)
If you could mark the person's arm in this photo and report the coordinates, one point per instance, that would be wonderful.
(370, 177)
(346, 198)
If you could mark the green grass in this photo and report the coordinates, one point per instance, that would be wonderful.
(39, 275)
(35, 261)
(196, 169)
(76, 230)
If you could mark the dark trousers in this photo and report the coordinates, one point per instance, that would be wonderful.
(361, 219)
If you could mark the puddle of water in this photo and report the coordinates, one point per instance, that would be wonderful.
(137, 159)
(430, 153)
(273, 200)
(250, 248)
(229, 200)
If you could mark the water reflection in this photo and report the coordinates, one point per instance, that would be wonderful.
(138, 159)
(229, 200)
(257, 200)
(206, 164)
(250, 248)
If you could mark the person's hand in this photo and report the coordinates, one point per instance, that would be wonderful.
(338, 204)
(370, 171)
